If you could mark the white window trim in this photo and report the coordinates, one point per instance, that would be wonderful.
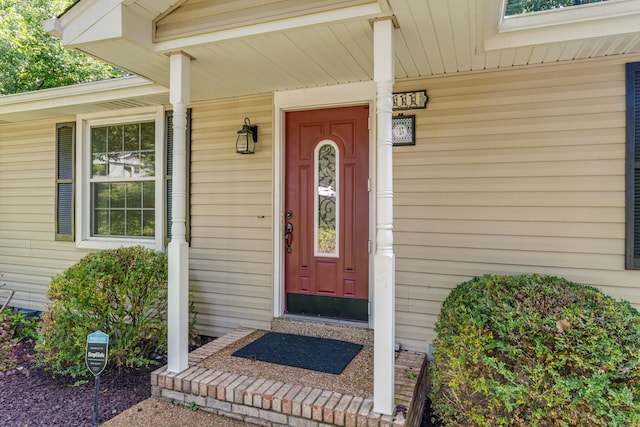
(84, 122)
(610, 18)
(579, 13)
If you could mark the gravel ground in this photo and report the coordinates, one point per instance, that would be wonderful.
(159, 413)
(31, 397)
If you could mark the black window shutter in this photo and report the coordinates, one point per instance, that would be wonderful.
(169, 170)
(65, 170)
(633, 166)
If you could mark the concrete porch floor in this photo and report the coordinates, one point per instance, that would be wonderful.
(283, 401)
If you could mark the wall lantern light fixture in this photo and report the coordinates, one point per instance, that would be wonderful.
(247, 138)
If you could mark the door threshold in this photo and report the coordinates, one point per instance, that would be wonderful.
(328, 320)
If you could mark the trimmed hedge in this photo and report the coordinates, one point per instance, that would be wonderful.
(534, 350)
(121, 292)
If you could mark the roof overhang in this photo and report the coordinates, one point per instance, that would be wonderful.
(260, 46)
(92, 97)
(123, 32)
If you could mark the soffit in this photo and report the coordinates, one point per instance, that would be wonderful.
(327, 47)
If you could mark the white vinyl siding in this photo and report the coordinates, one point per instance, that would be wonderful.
(513, 171)
(231, 270)
(29, 254)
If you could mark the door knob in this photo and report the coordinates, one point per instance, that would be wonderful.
(288, 236)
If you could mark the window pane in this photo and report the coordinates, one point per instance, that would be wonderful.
(148, 195)
(148, 223)
(117, 223)
(118, 209)
(101, 223)
(133, 223)
(99, 140)
(115, 138)
(131, 137)
(117, 197)
(134, 195)
(99, 151)
(147, 135)
(326, 203)
(147, 162)
(101, 196)
(99, 166)
(120, 165)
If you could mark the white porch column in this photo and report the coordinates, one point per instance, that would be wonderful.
(178, 309)
(384, 280)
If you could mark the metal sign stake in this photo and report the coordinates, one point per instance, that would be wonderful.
(95, 400)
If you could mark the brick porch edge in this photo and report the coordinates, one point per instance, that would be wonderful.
(276, 403)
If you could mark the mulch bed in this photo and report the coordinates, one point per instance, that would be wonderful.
(29, 396)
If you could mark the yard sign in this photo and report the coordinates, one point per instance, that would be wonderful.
(96, 360)
(96, 354)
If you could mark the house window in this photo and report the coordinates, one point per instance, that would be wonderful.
(633, 166)
(123, 180)
(122, 187)
(517, 7)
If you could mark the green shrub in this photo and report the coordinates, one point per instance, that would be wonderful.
(26, 329)
(122, 293)
(8, 345)
(15, 328)
(535, 350)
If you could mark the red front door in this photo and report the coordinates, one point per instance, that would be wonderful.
(327, 212)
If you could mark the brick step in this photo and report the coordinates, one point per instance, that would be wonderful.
(270, 402)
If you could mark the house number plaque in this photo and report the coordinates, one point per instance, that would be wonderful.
(410, 100)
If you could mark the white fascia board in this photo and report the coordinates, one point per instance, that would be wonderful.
(97, 21)
(90, 20)
(610, 18)
(370, 10)
(86, 93)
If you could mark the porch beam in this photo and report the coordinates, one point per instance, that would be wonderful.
(384, 270)
(178, 292)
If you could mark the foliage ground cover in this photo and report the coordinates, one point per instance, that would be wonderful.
(15, 329)
(535, 350)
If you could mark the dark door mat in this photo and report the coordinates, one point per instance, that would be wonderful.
(316, 354)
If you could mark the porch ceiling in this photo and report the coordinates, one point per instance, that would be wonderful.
(335, 45)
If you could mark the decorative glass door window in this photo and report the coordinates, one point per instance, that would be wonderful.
(327, 203)
(123, 180)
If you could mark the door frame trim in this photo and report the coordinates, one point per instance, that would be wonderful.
(309, 99)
